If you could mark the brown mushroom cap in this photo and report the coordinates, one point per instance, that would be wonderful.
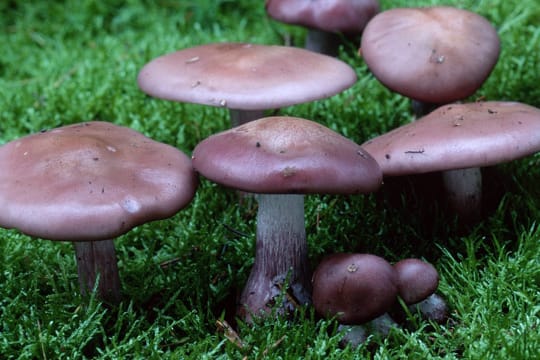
(416, 280)
(286, 155)
(90, 181)
(245, 76)
(346, 16)
(433, 54)
(354, 287)
(459, 136)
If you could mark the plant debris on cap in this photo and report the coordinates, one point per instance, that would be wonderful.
(90, 181)
(283, 155)
(432, 54)
(459, 136)
(245, 76)
(345, 16)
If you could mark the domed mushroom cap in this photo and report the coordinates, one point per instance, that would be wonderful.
(416, 279)
(459, 136)
(286, 155)
(346, 16)
(355, 288)
(245, 76)
(90, 181)
(432, 54)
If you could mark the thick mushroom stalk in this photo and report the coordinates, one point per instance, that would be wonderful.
(281, 261)
(464, 193)
(96, 263)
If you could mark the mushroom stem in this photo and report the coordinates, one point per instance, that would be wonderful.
(422, 108)
(323, 42)
(463, 186)
(98, 259)
(432, 308)
(240, 117)
(464, 193)
(281, 262)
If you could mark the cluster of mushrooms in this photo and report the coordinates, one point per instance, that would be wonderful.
(92, 182)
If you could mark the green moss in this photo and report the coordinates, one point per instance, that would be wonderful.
(71, 61)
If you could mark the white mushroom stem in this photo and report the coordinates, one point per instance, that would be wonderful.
(432, 308)
(464, 192)
(323, 42)
(96, 262)
(240, 117)
(281, 262)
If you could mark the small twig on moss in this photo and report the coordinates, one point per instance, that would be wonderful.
(231, 335)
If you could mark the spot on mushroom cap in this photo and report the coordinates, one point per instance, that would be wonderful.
(286, 155)
(433, 54)
(354, 287)
(90, 181)
(459, 136)
(417, 280)
(347, 16)
(245, 76)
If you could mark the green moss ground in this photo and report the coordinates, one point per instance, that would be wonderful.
(70, 61)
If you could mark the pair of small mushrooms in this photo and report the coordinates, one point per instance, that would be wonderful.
(89, 183)
(357, 288)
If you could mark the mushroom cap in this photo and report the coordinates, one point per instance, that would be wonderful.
(459, 136)
(245, 76)
(416, 280)
(433, 54)
(283, 155)
(90, 181)
(355, 288)
(346, 16)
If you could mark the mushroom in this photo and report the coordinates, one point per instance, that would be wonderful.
(459, 136)
(433, 55)
(416, 280)
(245, 78)
(325, 19)
(281, 158)
(89, 183)
(354, 288)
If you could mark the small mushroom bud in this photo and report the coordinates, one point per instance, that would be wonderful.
(355, 288)
(417, 280)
